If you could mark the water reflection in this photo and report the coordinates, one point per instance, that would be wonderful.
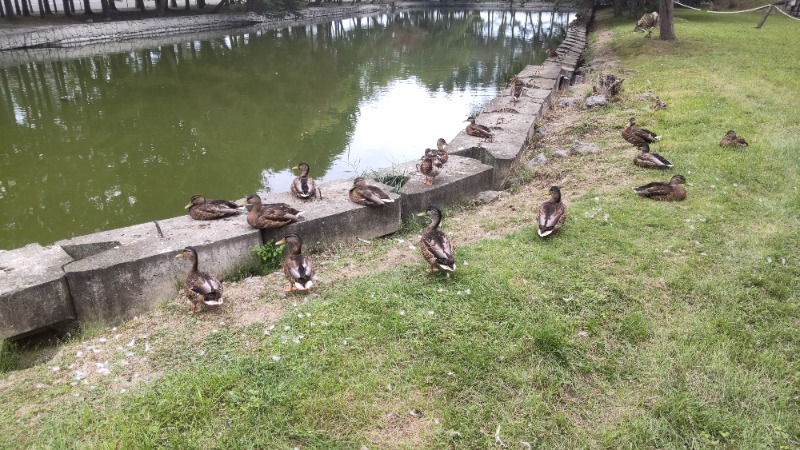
(116, 139)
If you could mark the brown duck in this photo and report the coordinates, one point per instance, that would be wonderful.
(202, 209)
(304, 187)
(430, 166)
(435, 245)
(517, 88)
(664, 191)
(441, 150)
(551, 53)
(298, 268)
(367, 195)
(732, 140)
(481, 131)
(552, 213)
(640, 137)
(270, 215)
(651, 160)
(200, 287)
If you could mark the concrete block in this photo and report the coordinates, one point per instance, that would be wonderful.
(461, 177)
(335, 217)
(33, 290)
(129, 279)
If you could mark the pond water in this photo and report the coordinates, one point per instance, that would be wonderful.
(114, 140)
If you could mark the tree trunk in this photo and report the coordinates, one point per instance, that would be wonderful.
(201, 4)
(187, 5)
(161, 6)
(16, 8)
(41, 8)
(140, 5)
(87, 8)
(47, 9)
(106, 8)
(72, 6)
(2, 10)
(25, 11)
(113, 5)
(174, 3)
(665, 20)
(67, 13)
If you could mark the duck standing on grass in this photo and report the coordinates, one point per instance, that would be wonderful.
(664, 191)
(200, 287)
(435, 245)
(270, 215)
(298, 268)
(552, 213)
(202, 209)
(304, 187)
(640, 137)
(367, 195)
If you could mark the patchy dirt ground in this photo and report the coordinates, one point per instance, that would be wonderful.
(121, 358)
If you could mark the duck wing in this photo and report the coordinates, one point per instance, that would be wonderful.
(654, 189)
(550, 217)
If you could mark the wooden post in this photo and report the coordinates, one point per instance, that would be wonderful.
(764, 19)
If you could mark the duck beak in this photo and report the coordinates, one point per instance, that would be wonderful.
(422, 214)
(281, 242)
(179, 255)
(296, 168)
(187, 206)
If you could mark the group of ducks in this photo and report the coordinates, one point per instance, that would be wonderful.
(202, 288)
(436, 247)
(672, 189)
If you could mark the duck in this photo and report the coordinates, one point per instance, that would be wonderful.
(200, 287)
(732, 140)
(430, 166)
(304, 187)
(639, 137)
(664, 191)
(298, 268)
(551, 53)
(651, 160)
(202, 209)
(552, 213)
(367, 195)
(481, 131)
(517, 87)
(270, 215)
(659, 104)
(441, 150)
(436, 247)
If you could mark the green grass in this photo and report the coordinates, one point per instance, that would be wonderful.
(642, 325)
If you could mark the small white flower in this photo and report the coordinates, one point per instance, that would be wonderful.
(430, 313)
(131, 343)
(287, 328)
(402, 312)
(276, 358)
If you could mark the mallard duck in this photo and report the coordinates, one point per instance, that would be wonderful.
(435, 245)
(481, 131)
(367, 195)
(651, 160)
(551, 53)
(202, 209)
(200, 287)
(659, 190)
(441, 150)
(430, 166)
(639, 137)
(732, 140)
(517, 87)
(659, 104)
(298, 268)
(552, 213)
(304, 187)
(270, 215)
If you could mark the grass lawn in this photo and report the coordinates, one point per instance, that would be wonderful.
(641, 325)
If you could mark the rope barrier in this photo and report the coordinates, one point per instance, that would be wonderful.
(787, 14)
(737, 12)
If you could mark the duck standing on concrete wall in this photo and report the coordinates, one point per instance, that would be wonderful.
(367, 195)
(270, 215)
(441, 150)
(430, 166)
(202, 209)
(298, 268)
(200, 287)
(304, 187)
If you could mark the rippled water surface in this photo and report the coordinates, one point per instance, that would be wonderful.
(114, 140)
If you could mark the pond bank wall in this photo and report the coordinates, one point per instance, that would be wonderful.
(111, 276)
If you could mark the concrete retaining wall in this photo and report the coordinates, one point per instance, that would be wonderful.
(111, 276)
